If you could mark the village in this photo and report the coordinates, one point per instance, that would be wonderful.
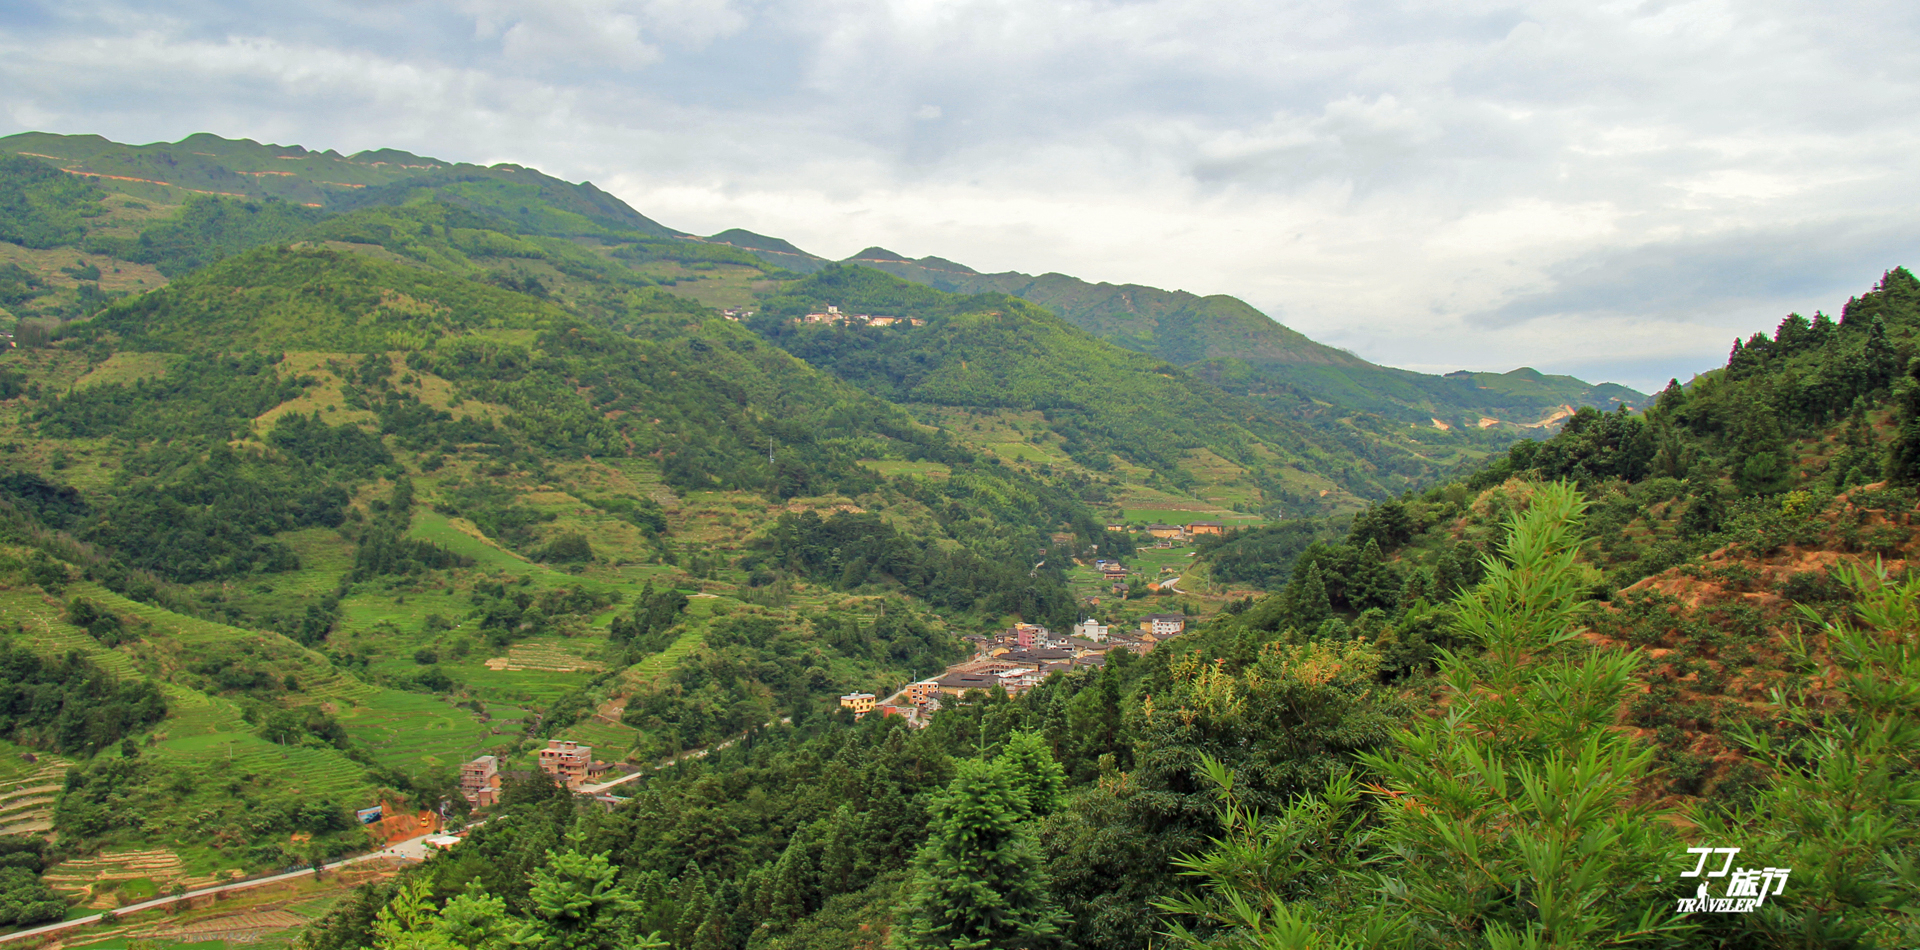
(1020, 657)
(1013, 660)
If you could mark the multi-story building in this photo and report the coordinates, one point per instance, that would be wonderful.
(480, 782)
(1163, 625)
(1019, 679)
(569, 762)
(1091, 629)
(1029, 635)
(860, 703)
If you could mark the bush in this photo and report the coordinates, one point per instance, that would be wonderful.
(569, 548)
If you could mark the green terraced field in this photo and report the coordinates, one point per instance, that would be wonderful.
(225, 756)
(46, 633)
(1188, 515)
(610, 743)
(660, 664)
(1024, 451)
(415, 732)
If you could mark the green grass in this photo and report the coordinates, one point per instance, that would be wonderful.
(891, 467)
(1024, 451)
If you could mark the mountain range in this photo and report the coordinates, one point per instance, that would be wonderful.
(322, 475)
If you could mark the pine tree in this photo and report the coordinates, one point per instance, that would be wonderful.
(978, 882)
(792, 888)
(840, 858)
(1903, 456)
(1034, 772)
(691, 895)
(578, 904)
(1310, 606)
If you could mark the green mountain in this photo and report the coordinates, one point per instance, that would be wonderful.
(306, 502)
(1091, 408)
(346, 497)
(1240, 349)
(209, 165)
(1697, 623)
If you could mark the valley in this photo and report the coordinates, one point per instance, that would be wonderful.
(322, 476)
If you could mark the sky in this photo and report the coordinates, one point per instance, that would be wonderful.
(1609, 189)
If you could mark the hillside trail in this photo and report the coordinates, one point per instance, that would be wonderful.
(676, 760)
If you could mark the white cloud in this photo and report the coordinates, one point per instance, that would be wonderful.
(1478, 185)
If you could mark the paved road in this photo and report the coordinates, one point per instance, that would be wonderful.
(412, 849)
(682, 757)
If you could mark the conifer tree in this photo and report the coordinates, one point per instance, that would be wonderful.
(1514, 820)
(840, 858)
(1903, 456)
(1310, 604)
(578, 904)
(978, 882)
(692, 897)
(1035, 775)
(791, 894)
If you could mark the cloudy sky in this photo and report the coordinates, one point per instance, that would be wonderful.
(1611, 189)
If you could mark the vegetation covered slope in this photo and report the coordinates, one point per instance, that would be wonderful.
(404, 517)
(1105, 405)
(1652, 642)
(440, 468)
(1243, 351)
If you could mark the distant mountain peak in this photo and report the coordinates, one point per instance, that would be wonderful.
(743, 238)
(941, 263)
(881, 254)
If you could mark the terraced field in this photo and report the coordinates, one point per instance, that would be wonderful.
(27, 790)
(222, 756)
(49, 635)
(650, 670)
(99, 879)
(610, 742)
(550, 654)
(415, 732)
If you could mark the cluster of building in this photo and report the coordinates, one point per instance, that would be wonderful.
(1177, 532)
(1018, 659)
(568, 763)
(833, 315)
(736, 315)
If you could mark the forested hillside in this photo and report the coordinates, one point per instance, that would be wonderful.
(1230, 344)
(321, 475)
(1496, 713)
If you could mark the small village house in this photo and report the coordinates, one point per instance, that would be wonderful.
(480, 782)
(1091, 629)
